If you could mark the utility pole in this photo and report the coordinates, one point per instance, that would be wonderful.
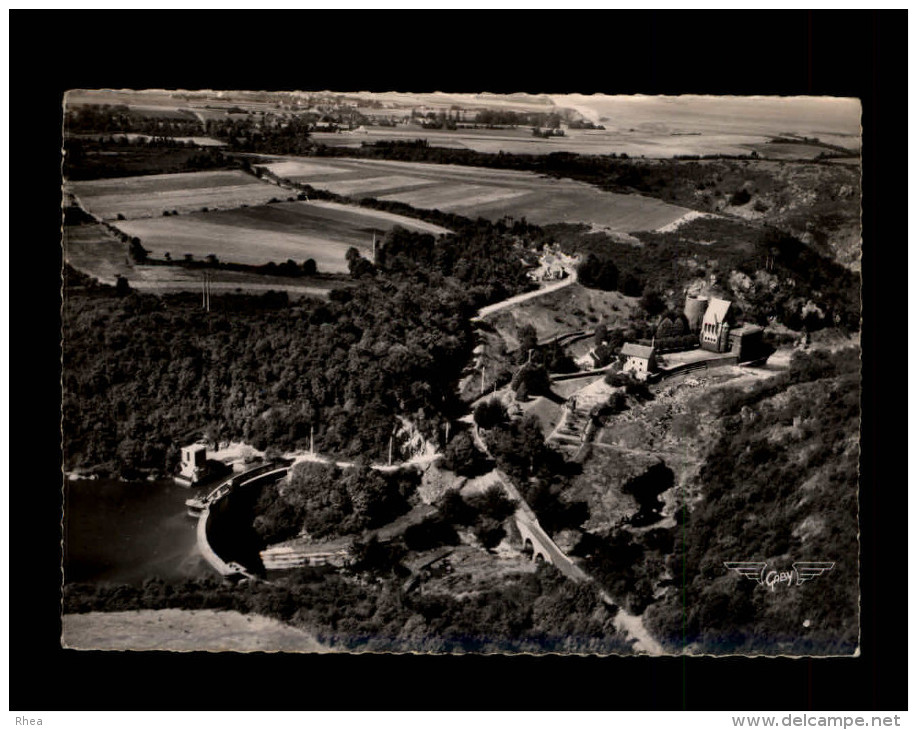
(374, 245)
(312, 439)
(205, 292)
(390, 438)
(447, 432)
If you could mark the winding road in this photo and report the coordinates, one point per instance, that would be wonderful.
(542, 544)
(528, 525)
(524, 297)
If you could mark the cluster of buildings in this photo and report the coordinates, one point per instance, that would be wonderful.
(553, 265)
(710, 328)
(711, 320)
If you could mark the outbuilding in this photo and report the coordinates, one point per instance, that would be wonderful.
(746, 341)
(639, 360)
(193, 463)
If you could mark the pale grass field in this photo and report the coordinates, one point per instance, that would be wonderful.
(175, 629)
(301, 169)
(454, 197)
(636, 142)
(373, 185)
(236, 244)
(147, 196)
(257, 235)
(94, 251)
(475, 191)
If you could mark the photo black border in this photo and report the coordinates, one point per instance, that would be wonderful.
(856, 53)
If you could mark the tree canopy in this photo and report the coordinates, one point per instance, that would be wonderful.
(598, 273)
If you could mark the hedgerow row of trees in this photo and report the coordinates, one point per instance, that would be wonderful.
(91, 159)
(114, 118)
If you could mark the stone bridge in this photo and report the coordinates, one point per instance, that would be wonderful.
(542, 548)
(534, 537)
(531, 545)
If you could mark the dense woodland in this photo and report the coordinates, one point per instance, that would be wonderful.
(779, 486)
(143, 373)
(327, 501)
(120, 118)
(289, 137)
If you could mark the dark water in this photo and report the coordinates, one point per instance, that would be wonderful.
(126, 532)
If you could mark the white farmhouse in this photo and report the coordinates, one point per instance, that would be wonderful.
(639, 360)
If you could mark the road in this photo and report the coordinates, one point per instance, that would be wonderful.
(557, 558)
(633, 627)
(527, 522)
(420, 460)
(628, 624)
(491, 308)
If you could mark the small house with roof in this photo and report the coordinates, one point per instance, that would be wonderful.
(638, 359)
(193, 463)
(747, 342)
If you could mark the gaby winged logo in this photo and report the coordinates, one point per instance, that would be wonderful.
(799, 574)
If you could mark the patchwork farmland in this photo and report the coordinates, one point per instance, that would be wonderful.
(147, 196)
(473, 192)
(634, 142)
(227, 213)
(277, 232)
(94, 250)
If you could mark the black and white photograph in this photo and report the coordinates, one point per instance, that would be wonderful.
(461, 373)
(414, 367)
